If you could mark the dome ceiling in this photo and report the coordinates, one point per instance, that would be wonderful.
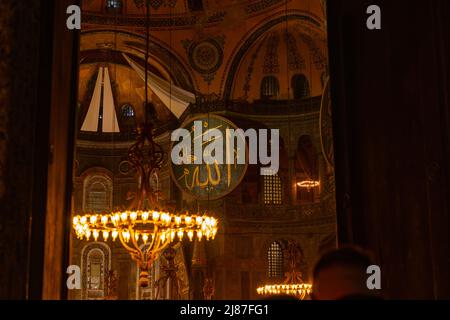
(222, 48)
(283, 51)
(187, 13)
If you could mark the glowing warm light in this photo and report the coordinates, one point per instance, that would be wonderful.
(298, 290)
(95, 234)
(135, 228)
(308, 184)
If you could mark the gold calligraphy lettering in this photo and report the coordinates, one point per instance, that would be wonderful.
(195, 181)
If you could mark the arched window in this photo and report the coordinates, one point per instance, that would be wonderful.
(300, 86)
(127, 117)
(128, 111)
(270, 87)
(97, 195)
(113, 5)
(195, 5)
(275, 259)
(273, 192)
(95, 266)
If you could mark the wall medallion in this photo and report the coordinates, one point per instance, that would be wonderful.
(204, 181)
(205, 56)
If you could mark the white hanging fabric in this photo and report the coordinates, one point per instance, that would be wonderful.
(91, 120)
(174, 98)
(109, 116)
(109, 121)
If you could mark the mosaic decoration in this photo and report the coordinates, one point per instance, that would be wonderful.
(250, 69)
(262, 5)
(295, 60)
(319, 60)
(156, 4)
(206, 56)
(271, 63)
(139, 3)
(171, 3)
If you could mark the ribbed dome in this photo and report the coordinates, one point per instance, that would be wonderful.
(288, 57)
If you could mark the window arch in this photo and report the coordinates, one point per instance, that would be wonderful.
(270, 87)
(275, 260)
(97, 193)
(96, 261)
(128, 111)
(114, 4)
(300, 86)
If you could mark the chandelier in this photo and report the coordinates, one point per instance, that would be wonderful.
(293, 285)
(144, 234)
(146, 229)
(308, 184)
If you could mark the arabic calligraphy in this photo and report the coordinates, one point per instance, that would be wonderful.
(209, 180)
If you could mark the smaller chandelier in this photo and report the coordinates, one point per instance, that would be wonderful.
(298, 290)
(308, 184)
(293, 284)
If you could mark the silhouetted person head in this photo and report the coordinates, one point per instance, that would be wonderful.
(342, 274)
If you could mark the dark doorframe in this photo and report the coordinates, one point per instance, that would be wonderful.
(38, 98)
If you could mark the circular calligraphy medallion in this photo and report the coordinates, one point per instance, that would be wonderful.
(211, 173)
